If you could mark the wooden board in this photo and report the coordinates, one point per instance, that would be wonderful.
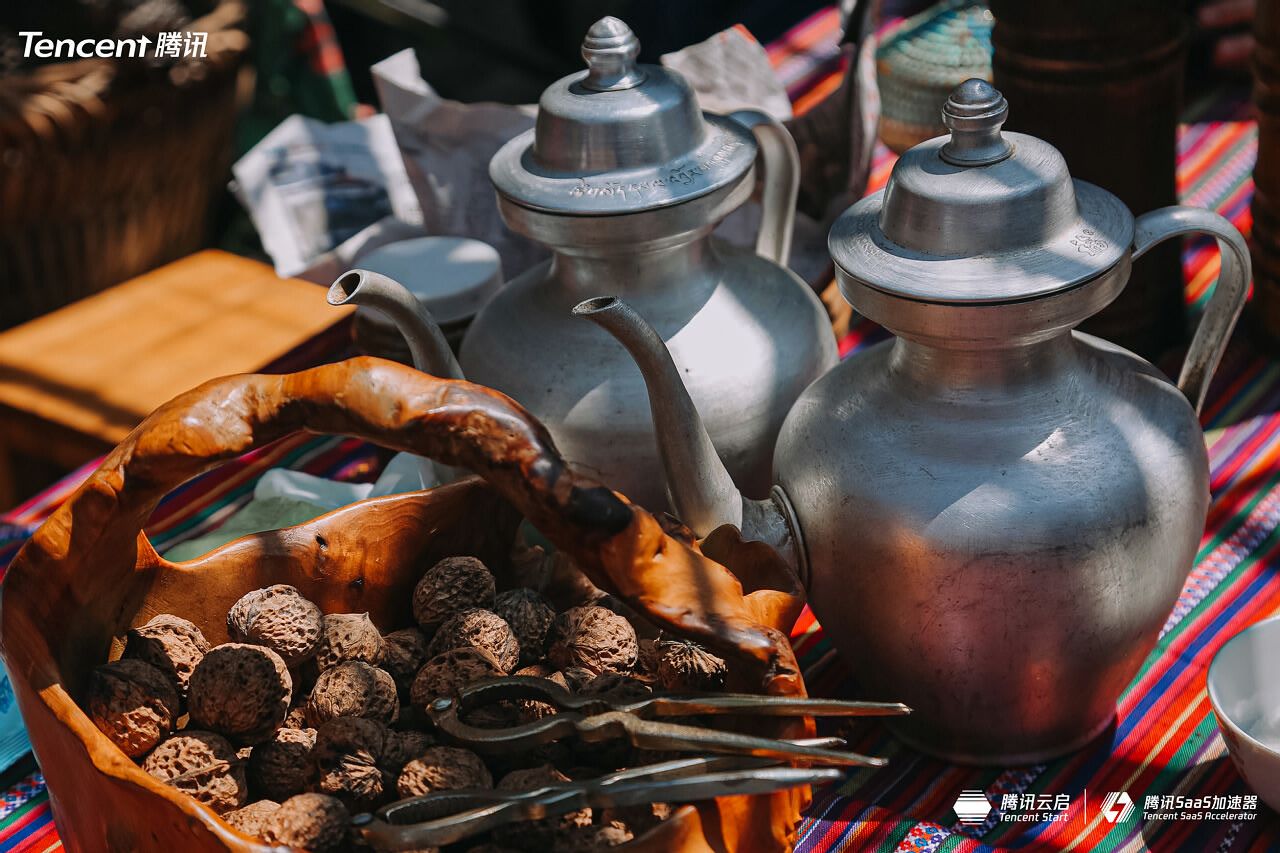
(74, 382)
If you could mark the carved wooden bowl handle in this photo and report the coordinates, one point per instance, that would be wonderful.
(619, 546)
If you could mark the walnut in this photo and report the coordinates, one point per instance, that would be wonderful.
(297, 717)
(529, 615)
(444, 675)
(532, 710)
(171, 643)
(133, 703)
(279, 618)
(353, 689)
(315, 822)
(528, 563)
(482, 629)
(451, 585)
(282, 766)
(250, 818)
(593, 638)
(348, 636)
(616, 687)
(537, 835)
(684, 665)
(443, 768)
(592, 838)
(346, 758)
(403, 654)
(241, 691)
(202, 765)
(399, 748)
(576, 678)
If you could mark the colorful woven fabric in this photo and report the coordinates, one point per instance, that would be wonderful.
(1164, 744)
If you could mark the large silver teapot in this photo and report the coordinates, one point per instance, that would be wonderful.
(624, 178)
(993, 514)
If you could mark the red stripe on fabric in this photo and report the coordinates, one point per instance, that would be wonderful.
(810, 31)
(1242, 458)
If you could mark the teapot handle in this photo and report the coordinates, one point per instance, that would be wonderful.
(1229, 293)
(781, 161)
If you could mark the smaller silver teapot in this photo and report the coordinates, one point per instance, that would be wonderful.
(993, 514)
(624, 177)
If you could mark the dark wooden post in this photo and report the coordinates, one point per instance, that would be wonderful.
(1101, 80)
(1265, 242)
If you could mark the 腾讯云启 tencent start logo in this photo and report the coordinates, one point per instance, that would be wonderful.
(972, 807)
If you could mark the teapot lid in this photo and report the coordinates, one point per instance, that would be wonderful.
(979, 216)
(620, 137)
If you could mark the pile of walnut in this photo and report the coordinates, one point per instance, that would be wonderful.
(305, 718)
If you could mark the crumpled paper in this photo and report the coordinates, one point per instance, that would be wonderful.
(310, 186)
(447, 145)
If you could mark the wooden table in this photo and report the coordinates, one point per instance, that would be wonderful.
(74, 382)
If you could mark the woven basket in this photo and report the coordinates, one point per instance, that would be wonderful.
(921, 60)
(109, 167)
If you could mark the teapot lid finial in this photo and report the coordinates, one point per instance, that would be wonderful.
(974, 113)
(610, 49)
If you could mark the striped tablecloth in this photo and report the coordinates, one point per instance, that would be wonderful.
(1165, 743)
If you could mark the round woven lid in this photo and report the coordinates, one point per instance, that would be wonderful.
(980, 216)
(619, 137)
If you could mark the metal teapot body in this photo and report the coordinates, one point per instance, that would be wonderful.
(993, 514)
(624, 179)
(996, 537)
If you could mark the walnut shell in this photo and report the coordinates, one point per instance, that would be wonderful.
(279, 618)
(482, 629)
(532, 710)
(133, 703)
(346, 758)
(399, 748)
(250, 818)
(314, 822)
(172, 644)
(443, 768)
(348, 636)
(202, 765)
(537, 835)
(616, 687)
(529, 614)
(592, 838)
(353, 689)
(241, 691)
(403, 654)
(593, 638)
(685, 665)
(283, 766)
(451, 585)
(444, 675)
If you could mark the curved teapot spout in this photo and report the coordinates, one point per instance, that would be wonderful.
(427, 345)
(429, 350)
(701, 491)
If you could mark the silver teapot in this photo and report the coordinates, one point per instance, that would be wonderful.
(624, 178)
(993, 514)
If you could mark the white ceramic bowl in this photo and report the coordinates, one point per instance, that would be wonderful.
(1244, 689)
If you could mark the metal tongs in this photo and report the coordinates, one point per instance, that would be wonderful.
(598, 718)
(443, 818)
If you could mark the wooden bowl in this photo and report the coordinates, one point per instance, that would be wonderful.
(89, 573)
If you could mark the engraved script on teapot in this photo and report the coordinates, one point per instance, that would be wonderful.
(1089, 243)
(681, 175)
